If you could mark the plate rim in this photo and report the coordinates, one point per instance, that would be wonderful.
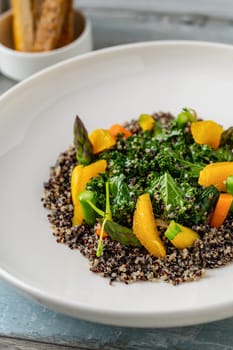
(138, 318)
(110, 50)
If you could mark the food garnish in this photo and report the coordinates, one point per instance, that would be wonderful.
(80, 176)
(181, 236)
(221, 210)
(150, 199)
(146, 122)
(89, 214)
(185, 116)
(101, 140)
(216, 174)
(207, 132)
(117, 129)
(144, 227)
(82, 143)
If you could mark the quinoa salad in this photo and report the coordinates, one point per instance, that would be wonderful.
(148, 200)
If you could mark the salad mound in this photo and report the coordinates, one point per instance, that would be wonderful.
(151, 199)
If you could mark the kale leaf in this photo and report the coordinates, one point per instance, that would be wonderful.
(166, 164)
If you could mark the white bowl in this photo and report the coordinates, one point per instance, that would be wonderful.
(36, 124)
(20, 65)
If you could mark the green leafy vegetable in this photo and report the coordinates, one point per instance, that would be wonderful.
(165, 163)
(193, 169)
(158, 131)
(115, 231)
(204, 204)
(120, 196)
(121, 234)
(170, 192)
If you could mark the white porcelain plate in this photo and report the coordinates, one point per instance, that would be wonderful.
(36, 123)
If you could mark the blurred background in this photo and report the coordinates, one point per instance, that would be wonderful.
(116, 22)
(119, 21)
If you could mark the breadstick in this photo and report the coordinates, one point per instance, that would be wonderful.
(36, 10)
(50, 25)
(67, 34)
(23, 25)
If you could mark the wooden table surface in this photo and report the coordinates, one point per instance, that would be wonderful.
(24, 324)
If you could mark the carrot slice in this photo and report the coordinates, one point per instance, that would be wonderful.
(117, 129)
(221, 210)
(98, 231)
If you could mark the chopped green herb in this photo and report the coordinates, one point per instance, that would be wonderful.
(165, 163)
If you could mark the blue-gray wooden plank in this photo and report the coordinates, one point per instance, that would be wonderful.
(5, 83)
(21, 317)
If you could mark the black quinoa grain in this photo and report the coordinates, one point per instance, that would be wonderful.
(127, 264)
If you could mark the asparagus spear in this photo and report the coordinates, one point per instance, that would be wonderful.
(83, 146)
(227, 137)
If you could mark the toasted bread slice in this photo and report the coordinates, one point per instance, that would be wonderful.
(50, 24)
(23, 26)
(67, 33)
